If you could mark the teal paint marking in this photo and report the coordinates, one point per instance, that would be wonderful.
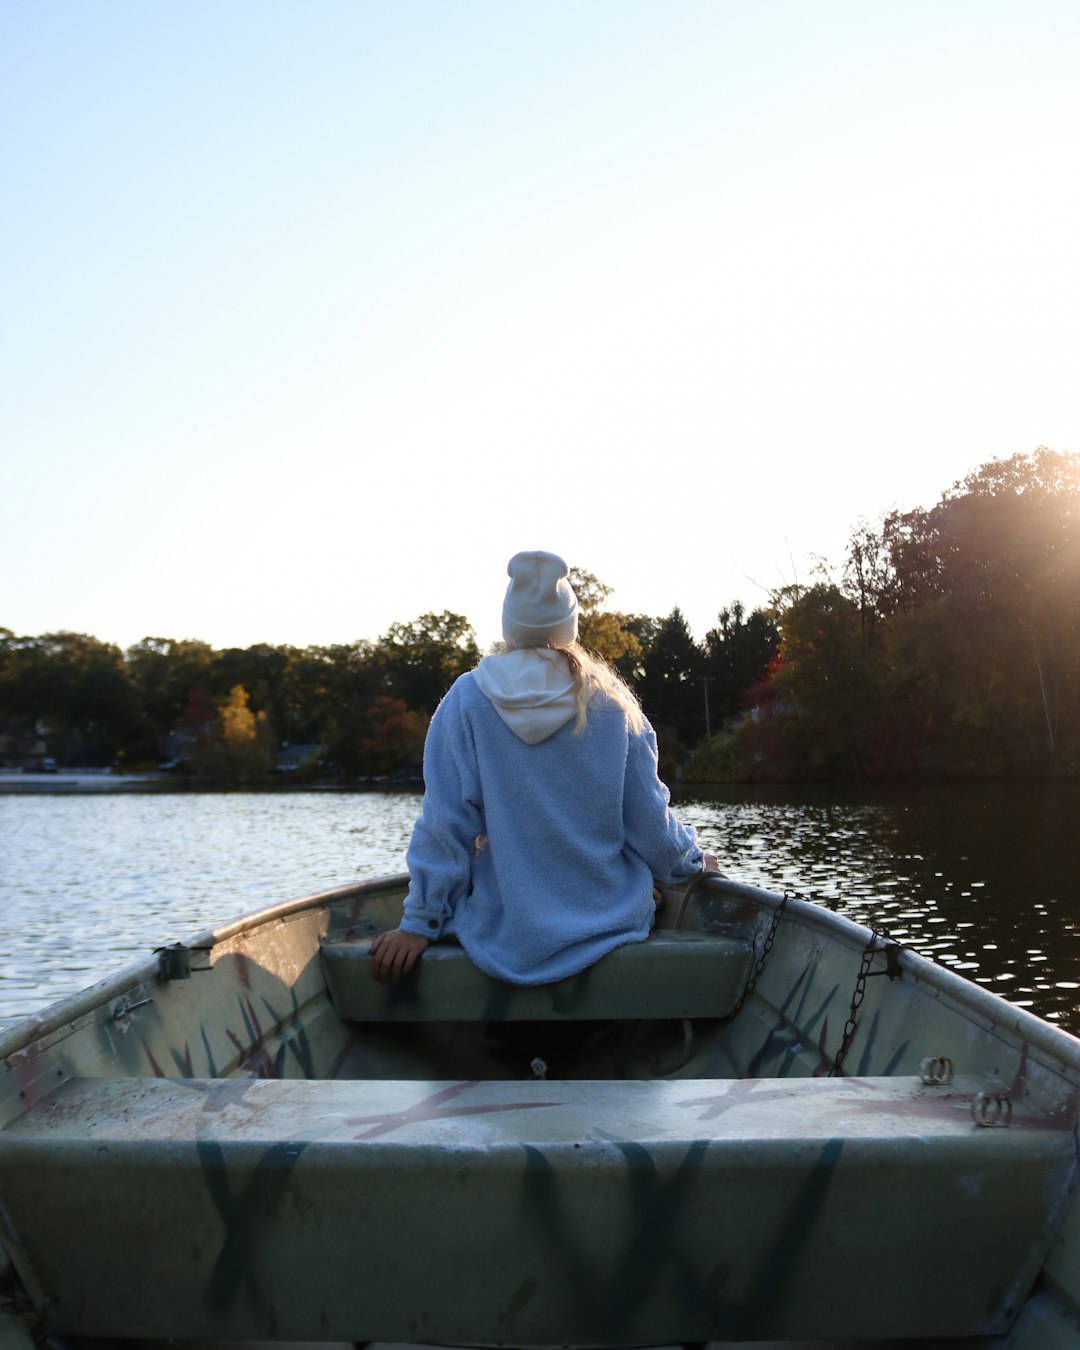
(301, 1049)
(579, 1279)
(253, 1054)
(246, 1216)
(864, 1070)
(807, 1023)
(756, 1315)
(298, 1040)
(435, 1107)
(824, 1063)
(868, 1046)
(211, 1066)
(183, 1062)
(254, 1060)
(654, 1244)
(736, 1094)
(251, 1022)
(895, 1060)
(1019, 1082)
(605, 1300)
(522, 1295)
(822, 1009)
(791, 1053)
(224, 1093)
(780, 1038)
(807, 973)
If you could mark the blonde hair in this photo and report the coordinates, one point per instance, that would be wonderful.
(593, 675)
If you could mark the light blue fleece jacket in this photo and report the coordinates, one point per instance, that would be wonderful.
(539, 858)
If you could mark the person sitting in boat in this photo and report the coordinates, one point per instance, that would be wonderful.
(544, 821)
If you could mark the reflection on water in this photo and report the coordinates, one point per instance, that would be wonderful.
(979, 877)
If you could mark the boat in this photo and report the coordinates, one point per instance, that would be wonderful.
(765, 1123)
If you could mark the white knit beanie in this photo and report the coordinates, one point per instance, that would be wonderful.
(540, 609)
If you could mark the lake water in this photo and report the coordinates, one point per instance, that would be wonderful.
(980, 877)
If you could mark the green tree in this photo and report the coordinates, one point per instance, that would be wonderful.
(422, 659)
(18, 696)
(645, 629)
(348, 687)
(164, 674)
(76, 688)
(671, 686)
(308, 695)
(608, 633)
(981, 598)
(826, 689)
(1010, 539)
(869, 578)
(736, 656)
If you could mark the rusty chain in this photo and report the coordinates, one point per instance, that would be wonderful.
(766, 948)
(892, 970)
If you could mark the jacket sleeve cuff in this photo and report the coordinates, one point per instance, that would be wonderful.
(692, 863)
(423, 925)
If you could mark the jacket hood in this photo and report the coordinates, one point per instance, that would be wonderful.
(531, 690)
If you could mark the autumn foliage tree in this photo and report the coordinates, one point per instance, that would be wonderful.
(394, 740)
(239, 750)
(608, 633)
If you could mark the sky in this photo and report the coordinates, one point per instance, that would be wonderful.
(313, 313)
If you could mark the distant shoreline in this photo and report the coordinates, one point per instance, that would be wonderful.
(90, 782)
(13, 782)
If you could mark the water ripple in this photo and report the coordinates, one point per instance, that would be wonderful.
(90, 884)
(971, 875)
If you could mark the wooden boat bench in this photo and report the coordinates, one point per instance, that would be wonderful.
(669, 975)
(607, 1212)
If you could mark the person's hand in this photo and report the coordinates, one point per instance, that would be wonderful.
(711, 863)
(394, 954)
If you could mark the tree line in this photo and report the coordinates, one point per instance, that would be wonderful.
(947, 643)
(947, 646)
(352, 711)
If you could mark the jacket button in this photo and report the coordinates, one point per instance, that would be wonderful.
(433, 923)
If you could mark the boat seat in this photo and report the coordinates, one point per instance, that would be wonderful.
(670, 974)
(528, 1212)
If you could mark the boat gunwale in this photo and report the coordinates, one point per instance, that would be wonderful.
(73, 1009)
(969, 998)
